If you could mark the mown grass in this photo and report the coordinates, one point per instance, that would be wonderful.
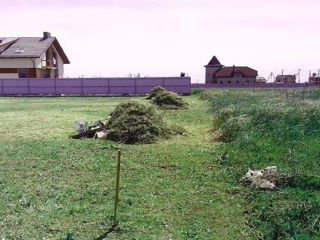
(53, 187)
(266, 128)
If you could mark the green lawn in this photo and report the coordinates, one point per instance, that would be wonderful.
(52, 187)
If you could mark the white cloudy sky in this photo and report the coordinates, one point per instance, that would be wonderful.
(166, 37)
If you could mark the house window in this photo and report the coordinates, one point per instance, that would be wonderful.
(248, 81)
(229, 82)
(238, 75)
(237, 81)
(221, 82)
(46, 73)
(23, 72)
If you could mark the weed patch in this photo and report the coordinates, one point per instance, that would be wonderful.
(256, 131)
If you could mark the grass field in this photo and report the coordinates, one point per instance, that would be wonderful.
(52, 186)
(185, 187)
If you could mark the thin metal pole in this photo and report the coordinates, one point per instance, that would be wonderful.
(116, 199)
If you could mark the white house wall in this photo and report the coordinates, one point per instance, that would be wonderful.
(236, 80)
(60, 63)
(8, 75)
(17, 63)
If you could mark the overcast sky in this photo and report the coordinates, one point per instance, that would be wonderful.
(166, 37)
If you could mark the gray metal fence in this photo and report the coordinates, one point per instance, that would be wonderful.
(268, 85)
(92, 86)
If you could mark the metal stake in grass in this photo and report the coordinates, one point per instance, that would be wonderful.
(116, 199)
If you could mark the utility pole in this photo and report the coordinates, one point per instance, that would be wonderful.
(299, 75)
(270, 77)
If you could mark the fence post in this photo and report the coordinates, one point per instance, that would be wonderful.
(81, 86)
(55, 86)
(109, 86)
(116, 199)
(2, 87)
(135, 86)
(28, 84)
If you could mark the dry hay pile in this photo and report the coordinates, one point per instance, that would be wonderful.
(166, 100)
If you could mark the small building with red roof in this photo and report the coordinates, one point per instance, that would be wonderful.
(216, 73)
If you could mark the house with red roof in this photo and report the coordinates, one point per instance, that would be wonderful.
(216, 73)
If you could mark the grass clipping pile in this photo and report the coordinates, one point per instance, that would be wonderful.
(166, 100)
(136, 123)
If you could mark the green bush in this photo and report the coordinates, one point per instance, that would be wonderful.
(197, 92)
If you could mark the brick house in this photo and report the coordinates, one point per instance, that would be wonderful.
(285, 79)
(315, 79)
(216, 73)
(32, 57)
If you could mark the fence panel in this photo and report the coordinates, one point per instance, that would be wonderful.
(92, 86)
(268, 85)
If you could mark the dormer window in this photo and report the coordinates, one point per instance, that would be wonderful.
(238, 75)
(19, 51)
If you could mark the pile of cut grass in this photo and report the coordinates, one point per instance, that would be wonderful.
(166, 100)
(155, 92)
(136, 123)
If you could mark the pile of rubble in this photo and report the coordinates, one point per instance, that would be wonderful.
(97, 130)
(267, 178)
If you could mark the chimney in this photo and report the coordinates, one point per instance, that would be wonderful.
(46, 35)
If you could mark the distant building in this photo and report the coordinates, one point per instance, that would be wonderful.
(32, 57)
(314, 79)
(216, 73)
(285, 79)
(261, 80)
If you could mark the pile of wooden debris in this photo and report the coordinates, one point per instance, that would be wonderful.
(97, 130)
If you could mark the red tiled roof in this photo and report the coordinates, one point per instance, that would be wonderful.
(229, 71)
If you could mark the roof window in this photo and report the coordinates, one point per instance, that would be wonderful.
(19, 51)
